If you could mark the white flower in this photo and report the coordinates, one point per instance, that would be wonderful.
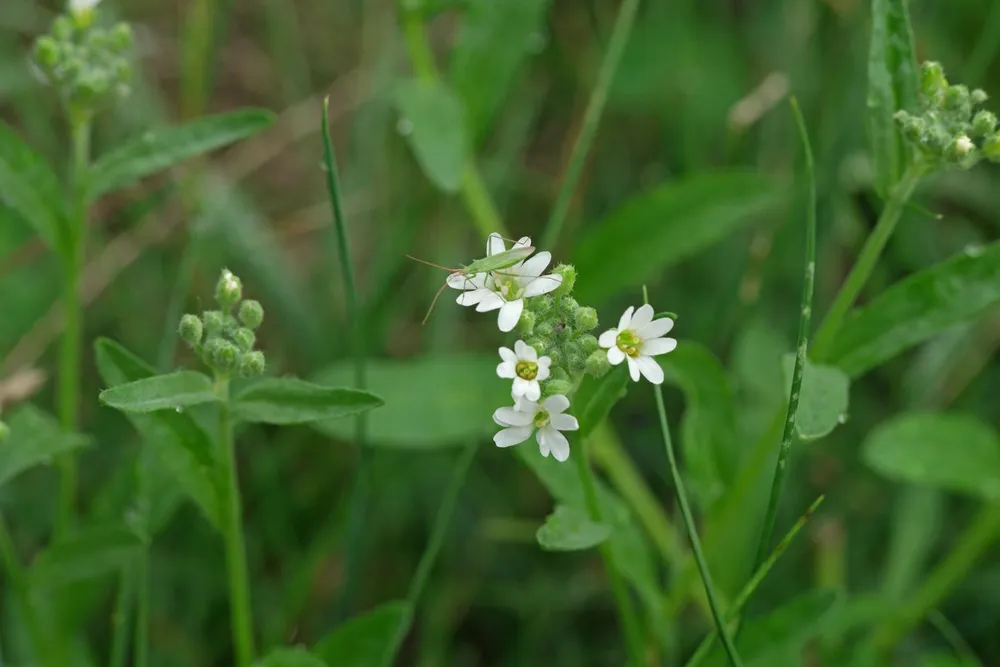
(637, 340)
(548, 419)
(963, 145)
(82, 6)
(526, 368)
(506, 289)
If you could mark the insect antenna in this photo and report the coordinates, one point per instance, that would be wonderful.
(431, 309)
(436, 266)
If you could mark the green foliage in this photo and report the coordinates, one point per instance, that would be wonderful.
(289, 657)
(570, 529)
(432, 119)
(596, 396)
(823, 403)
(94, 552)
(29, 187)
(174, 391)
(35, 439)
(293, 401)
(367, 639)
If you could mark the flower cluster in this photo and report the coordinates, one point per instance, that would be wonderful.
(948, 130)
(225, 342)
(87, 64)
(555, 348)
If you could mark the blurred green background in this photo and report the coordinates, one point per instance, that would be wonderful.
(697, 104)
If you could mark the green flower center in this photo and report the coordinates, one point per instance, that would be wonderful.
(526, 370)
(629, 342)
(509, 289)
(541, 419)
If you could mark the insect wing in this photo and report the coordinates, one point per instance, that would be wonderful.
(501, 260)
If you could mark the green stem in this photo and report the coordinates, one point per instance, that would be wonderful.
(976, 538)
(120, 618)
(19, 582)
(591, 117)
(865, 264)
(141, 648)
(71, 345)
(629, 620)
(232, 533)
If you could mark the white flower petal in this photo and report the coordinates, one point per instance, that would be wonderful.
(553, 441)
(650, 369)
(509, 355)
(533, 391)
(519, 346)
(473, 297)
(514, 435)
(615, 356)
(564, 422)
(510, 313)
(79, 6)
(506, 371)
(530, 354)
(490, 301)
(542, 285)
(543, 372)
(522, 242)
(608, 338)
(532, 268)
(633, 368)
(642, 317)
(495, 245)
(544, 363)
(462, 281)
(656, 328)
(625, 319)
(658, 346)
(555, 405)
(520, 388)
(513, 417)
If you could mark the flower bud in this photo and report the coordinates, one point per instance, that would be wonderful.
(960, 148)
(556, 355)
(229, 290)
(932, 80)
(568, 274)
(541, 304)
(244, 339)
(526, 325)
(62, 29)
(587, 343)
(597, 363)
(545, 330)
(251, 313)
(252, 364)
(190, 330)
(984, 123)
(564, 332)
(585, 318)
(224, 356)
(214, 322)
(46, 52)
(555, 387)
(956, 98)
(978, 96)
(577, 361)
(567, 306)
(912, 127)
(559, 373)
(538, 343)
(120, 37)
(4, 431)
(991, 147)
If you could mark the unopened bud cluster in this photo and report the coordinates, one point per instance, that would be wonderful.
(949, 129)
(224, 341)
(87, 64)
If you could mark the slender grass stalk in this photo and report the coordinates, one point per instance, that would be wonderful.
(232, 534)
(591, 118)
(692, 531)
(871, 252)
(751, 586)
(359, 495)
(954, 638)
(801, 347)
(142, 614)
(626, 610)
(22, 597)
(120, 617)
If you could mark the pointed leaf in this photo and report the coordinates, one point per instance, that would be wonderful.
(955, 452)
(85, 555)
(28, 186)
(290, 657)
(294, 401)
(161, 149)
(35, 439)
(570, 529)
(917, 308)
(823, 401)
(367, 640)
(161, 392)
(658, 228)
(593, 401)
(182, 448)
(434, 123)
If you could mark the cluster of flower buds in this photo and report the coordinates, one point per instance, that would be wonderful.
(949, 130)
(87, 64)
(225, 342)
(555, 346)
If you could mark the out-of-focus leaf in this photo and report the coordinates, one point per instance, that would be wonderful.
(173, 391)
(294, 401)
(85, 555)
(28, 186)
(570, 529)
(823, 401)
(656, 229)
(35, 439)
(948, 451)
(892, 85)
(494, 41)
(430, 402)
(367, 640)
(916, 529)
(290, 657)
(182, 448)
(596, 396)
(917, 308)
(163, 148)
(433, 123)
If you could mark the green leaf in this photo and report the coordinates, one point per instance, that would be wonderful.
(294, 401)
(181, 446)
(892, 85)
(434, 122)
(429, 401)
(913, 310)
(949, 451)
(85, 555)
(570, 529)
(289, 657)
(657, 229)
(494, 41)
(161, 149)
(824, 398)
(29, 186)
(35, 439)
(593, 401)
(174, 391)
(367, 640)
